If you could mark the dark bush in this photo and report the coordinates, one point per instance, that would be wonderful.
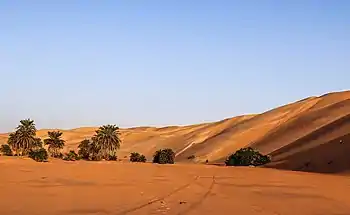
(71, 156)
(191, 157)
(6, 150)
(39, 155)
(246, 157)
(137, 157)
(111, 157)
(84, 149)
(95, 157)
(58, 155)
(164, 156)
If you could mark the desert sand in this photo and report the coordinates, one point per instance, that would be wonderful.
(311, 135)
(308, 135)
(102, 188)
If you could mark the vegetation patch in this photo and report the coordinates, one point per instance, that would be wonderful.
(246, 157)
(111, 157)
(55, 143)
(39, 155)
(103, 145)
(84, 149)
(24, 139)
(71, 156)
(137, 157)
(6, 150)
(164, 156)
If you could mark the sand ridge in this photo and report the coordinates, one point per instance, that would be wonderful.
(305, 131)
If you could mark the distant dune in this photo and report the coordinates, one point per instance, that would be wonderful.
(308, 135)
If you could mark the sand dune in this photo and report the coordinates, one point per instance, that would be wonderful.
(305, 135)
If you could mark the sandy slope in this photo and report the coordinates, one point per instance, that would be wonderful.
(304, 135)
(103, 188)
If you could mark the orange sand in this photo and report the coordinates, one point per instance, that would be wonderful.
(304, 135)
(114, 188)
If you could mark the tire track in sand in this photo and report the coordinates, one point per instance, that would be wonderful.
(127, 211)
(200, 200)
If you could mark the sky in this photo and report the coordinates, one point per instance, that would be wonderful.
(76, 63)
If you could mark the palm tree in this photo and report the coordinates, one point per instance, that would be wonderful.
(106, 140)
(23, 139)
(55, 143)
(28, 126)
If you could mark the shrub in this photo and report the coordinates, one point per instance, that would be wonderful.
(246, 157)
(137, 157)
(95, 157)
(84, 149)
(164, 156)
(71, 156)
(191, 157)
(112, 157)
(39, 155)
(6, 150)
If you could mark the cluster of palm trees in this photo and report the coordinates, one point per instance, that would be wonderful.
(103, 145)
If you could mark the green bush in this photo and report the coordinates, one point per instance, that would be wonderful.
(58, 155)
(137, 157)
(39, 155)
(6, 150)
(164, 156)
(246, 157)
(71, 156)
(84, 149)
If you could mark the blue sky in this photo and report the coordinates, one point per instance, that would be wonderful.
(68, 64)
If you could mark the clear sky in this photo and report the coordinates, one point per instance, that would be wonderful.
(68, 64)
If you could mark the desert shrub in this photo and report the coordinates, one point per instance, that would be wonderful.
(111, 157)
(246, 157)
(137, 157)
(84, 149)
(164, 156)
(191, 157)
(6, 150)
(71, 156)
(39, 155)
